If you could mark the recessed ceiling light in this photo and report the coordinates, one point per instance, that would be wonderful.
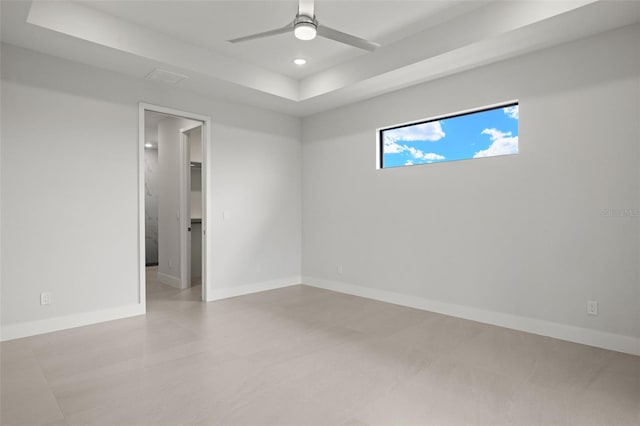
(148, 145)
(299, 61)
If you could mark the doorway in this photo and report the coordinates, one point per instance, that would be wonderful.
(173, 199)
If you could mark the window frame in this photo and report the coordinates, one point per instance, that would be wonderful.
(380, 138)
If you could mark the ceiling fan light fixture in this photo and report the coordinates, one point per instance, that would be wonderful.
(305, 27)
(305, 31)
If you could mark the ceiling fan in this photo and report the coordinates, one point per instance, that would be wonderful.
(305, 26)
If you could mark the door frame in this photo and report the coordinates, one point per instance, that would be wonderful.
(206, 184)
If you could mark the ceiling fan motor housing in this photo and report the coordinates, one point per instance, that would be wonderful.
(305, 27)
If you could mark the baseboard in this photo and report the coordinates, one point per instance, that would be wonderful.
(226, 292)
(615, 342)
(32, 328)
(170, 280)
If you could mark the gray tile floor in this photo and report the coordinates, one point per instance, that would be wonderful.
(304, 356)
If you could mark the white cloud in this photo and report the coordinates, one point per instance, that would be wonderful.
(512, 111)
(431, 131)
(495, 134)
(502, 144)
(415, 152)
(420, 155)
(430, 156)
(391, 147)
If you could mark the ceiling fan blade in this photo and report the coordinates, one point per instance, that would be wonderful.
(345, 38)
(306, 8)
(287, 28)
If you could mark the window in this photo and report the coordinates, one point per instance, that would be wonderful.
(487, 132)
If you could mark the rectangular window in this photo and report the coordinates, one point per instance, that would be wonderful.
(487, 132)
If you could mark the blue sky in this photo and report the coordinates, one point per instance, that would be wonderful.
(482, 134)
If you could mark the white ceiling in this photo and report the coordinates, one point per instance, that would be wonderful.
(209, 24)
(420, 40)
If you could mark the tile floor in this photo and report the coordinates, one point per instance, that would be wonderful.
(304, 356)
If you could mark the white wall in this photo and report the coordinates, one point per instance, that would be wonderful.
(259, 207)
(70, 192)
(520, 240)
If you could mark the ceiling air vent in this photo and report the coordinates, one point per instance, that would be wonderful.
(164, 76)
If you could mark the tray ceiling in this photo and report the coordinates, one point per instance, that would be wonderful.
(420, 41)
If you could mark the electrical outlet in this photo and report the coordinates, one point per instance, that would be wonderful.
(592, 307)
(45, 298)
